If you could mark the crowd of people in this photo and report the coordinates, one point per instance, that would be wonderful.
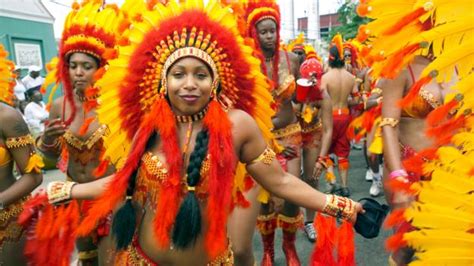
(185, 126)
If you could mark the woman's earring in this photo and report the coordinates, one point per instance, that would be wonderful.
(215, 84)
(163, 89)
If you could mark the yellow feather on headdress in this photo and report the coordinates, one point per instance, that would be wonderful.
(7, 78)
(338, 42)
(298, 41)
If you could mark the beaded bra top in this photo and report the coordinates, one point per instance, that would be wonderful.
(85, 150)
(153, 174)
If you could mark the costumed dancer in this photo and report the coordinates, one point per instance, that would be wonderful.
(314, 112)
(340, 84)
(428, 141)
(179, 102)
(73, 133)
(282, 69)
(16, 147)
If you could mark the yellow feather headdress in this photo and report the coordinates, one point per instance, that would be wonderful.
(7, 78)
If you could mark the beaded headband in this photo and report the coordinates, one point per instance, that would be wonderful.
(189, 52)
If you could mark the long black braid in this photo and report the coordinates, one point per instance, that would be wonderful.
(124, 223)
(187, 225)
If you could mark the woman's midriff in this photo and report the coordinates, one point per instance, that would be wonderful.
(285, 116)
(84, 174)
(412, 133)
(193, 255)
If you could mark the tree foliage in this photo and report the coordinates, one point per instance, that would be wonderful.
(350, 21)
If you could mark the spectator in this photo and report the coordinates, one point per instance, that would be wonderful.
(35, 111)
(33, 79)
(20, 87)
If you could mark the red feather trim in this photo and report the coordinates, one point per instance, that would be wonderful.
(168, 197)
(395, 62)
(414, 164)
(50, 230)
(396, 185)
(394, 218)
(221, 175)
(444, 132)
(405, 20)
(323, 249)
(441, 113)
(98, 75)
(395, 242)
(345, 245)
(100, 170)
(117, 188)
(85, 125)
(414, 90)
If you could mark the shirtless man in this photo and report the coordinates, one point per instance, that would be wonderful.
(340, 84)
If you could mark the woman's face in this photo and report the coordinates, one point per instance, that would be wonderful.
(189, 84)
(267, 34)
(82, 68)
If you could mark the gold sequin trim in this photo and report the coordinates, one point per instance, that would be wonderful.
(311, 128)
(12, 210)
(90, 142)
(17, 142)
(429, 97)
(266, 157)
(10, 230)
(287, 131)
(154, 166)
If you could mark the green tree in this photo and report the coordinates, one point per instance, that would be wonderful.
(350, 21)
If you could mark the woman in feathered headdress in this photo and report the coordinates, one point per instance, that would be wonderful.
(186, 89)
(421, 47)
(16, 147)
(73, 133)
(281, 68)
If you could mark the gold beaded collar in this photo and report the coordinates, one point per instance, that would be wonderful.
(192, 118)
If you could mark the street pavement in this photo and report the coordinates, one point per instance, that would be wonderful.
(369, 252)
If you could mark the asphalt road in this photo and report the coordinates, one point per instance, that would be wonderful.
(369, 252)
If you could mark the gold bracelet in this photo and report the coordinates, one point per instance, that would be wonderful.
(266, 157)
(59, 191)
(359, 80)
(21, 141)
(339, 207)
(388, 121)
(376, 90)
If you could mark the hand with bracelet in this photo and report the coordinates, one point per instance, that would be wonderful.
(53, 130)
(320, 164)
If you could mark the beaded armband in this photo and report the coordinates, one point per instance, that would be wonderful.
(339, 207)
(267, 157)
(388, 121)
(18, 142)
(59, 191)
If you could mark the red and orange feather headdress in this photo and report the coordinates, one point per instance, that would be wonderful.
(91, 29)
(133, 106)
